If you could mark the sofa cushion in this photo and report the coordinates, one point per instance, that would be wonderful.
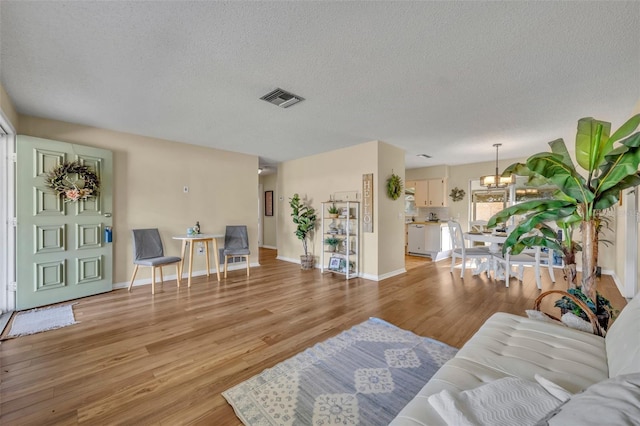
(613, 401)
(522, 347)
(504, 402)
(510, 345)
(456, 375)
(623, 350)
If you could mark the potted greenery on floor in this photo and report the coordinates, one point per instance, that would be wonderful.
(304, 217)
(580, 200)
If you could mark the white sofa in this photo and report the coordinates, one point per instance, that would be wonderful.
(510, 345)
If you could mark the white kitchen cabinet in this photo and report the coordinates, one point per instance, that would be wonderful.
(430, 192)
(437, 192)
(422, 193)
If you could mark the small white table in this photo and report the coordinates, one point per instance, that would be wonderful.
(199, 238)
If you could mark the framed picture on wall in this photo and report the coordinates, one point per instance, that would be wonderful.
(268, 203)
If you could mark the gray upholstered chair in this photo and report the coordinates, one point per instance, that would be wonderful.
(236, 243)
(148, 251)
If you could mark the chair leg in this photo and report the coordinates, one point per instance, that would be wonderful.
(226, 258)
(507, 274)
(247, 258)
(161, 275)
(153, 280)
(464, 263)
(537, 271)
(178, 273)
(453, 260)
(133, 277)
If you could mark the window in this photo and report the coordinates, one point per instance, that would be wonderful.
(485, 203)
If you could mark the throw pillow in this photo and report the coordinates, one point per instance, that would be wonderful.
(553, 388)
(540, 316)
(614, 401)
(504, 402)
(572, 320)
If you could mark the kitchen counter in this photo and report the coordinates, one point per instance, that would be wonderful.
(426, 223)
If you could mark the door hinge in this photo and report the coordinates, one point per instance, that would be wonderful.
(13, 222)
(13, 286)
(13, 157)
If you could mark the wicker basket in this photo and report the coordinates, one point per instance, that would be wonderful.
(597, 329)
(307, 261)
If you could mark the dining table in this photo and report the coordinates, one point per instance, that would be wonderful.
(495, 241)
(191, 240)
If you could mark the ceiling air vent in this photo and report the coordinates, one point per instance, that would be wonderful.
(282, 98)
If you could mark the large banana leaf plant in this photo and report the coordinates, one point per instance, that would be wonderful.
(610, 163)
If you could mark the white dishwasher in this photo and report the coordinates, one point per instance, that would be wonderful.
(417, 239)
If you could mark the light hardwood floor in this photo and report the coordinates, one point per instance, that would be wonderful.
(140, 359)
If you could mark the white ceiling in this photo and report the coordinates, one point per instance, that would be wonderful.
(448, 79)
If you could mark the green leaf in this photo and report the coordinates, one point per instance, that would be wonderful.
(552, 167)
(591, 148)
(626, 129)
(618, 167)
(611, 196)
(521, 169)
(525, 208)
(558, 147)
(632, 141)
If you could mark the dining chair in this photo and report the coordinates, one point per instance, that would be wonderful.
(236, 243)
(148, 251)
(528, 257)
(458, 249)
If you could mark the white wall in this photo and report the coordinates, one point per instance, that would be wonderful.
(269, 237)
(149, 176)
(316, 177)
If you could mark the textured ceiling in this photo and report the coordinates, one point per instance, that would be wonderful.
(448, 79)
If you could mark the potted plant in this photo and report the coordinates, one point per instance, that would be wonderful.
(581, 197)
(602, 308)
(304, 217)
(333, 211)
(332, 242)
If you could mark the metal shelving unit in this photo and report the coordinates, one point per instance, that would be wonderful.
(345, 259)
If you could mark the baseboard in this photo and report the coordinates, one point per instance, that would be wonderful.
(212, 271)
(385, 276)
(270, 247)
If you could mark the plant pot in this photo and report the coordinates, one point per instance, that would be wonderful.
(333, 215)
(307, 262)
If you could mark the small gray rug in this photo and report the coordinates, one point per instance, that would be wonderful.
(364, 375)
(41, 319)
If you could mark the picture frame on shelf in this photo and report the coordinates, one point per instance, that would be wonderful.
(343, 266)
(334, 263)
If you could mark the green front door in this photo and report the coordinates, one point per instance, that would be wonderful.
(61, 250)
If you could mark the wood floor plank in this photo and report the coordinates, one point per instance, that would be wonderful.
(135, 358)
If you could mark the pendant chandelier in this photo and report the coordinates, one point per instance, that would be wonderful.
(496, 180)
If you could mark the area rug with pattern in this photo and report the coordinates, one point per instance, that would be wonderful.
(41, 319)
(364, 375)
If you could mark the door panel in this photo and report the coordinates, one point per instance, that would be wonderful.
(61, 253)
